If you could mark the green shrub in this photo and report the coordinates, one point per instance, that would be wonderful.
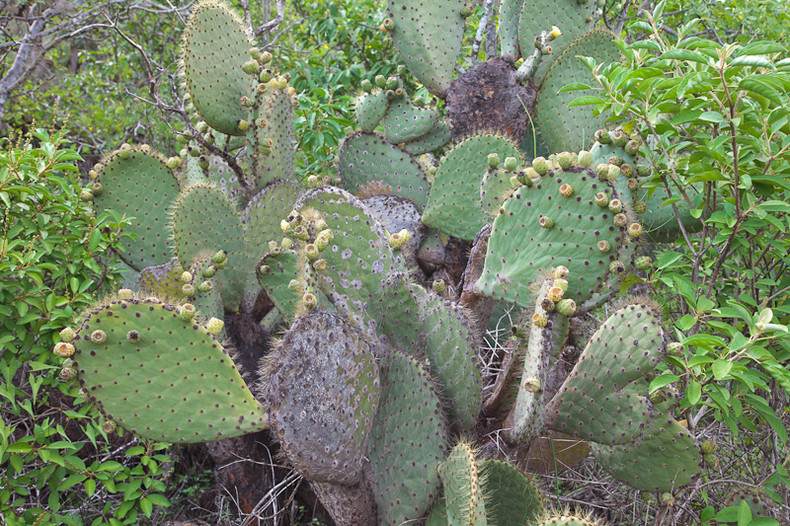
(57, 464)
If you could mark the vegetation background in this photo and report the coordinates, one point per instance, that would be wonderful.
(96, 74)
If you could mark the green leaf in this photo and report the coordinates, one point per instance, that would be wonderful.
(19, 447)
(721, 368)
(574, 86)
(157, 499)
(685, 54)
(583, 101)
(693, 392)
(663, 380)
(90, 487)
(93, 241)
(751, 60)
(148, 508)
(761, 88)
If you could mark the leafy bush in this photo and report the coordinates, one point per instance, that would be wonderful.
(57, 464)
(715, 119)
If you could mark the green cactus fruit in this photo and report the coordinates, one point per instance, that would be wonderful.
(405, 122)
(204, 221)
(272, 147)
(321, 385)
(408, 441)
(161, 377)
(141, 187)
(428, 37)
(561, 127)
(454, 201)
(214, 50)
(261, 217)
(366, 161)
(573, 19)
(370, 109)
(518, 251)
(463, 487)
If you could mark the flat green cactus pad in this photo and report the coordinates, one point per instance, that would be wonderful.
(322, 389)
(663, 457)
(281, 267)
(215, 47)
(439, 135)
(563, 128)
(262, 215)
(137, 183)
(454, 202)
(572, 17)
(509, 12)
(405, 122)
(370, 108)
(428, 36)
(272, 144)
(161, 377)
(367, 162)
(463, 487)
(359, 256)
(511, 496)
(408, 440)
(204, 221)
(520, 248)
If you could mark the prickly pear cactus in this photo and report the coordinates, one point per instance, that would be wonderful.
(321, 386)
(159, 373)
(135, 182)
(604, 401)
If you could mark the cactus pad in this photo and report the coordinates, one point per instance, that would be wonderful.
(561, 127)
(161, 377)
(272, 144)
(262, 215)
(463, 487)
(408, 440)
(366, 158)
(137, 183)
(215, 47)
(322, 387)
(428, 37)
(204, 221)
(511, 496)
(454, 202)
(519, 249)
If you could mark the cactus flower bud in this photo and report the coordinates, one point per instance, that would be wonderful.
(319, 264)
(560, 283)
(601, 199)
(604, 246)
(539, 319)
(295, 286)
(366, 85)
(531, 385)
(566, 190)
(643, 170)
(313, 182)
(108, 426)
(125, 294)
(619, 138)
(616, 267)
(209, 272)
(67, 335)
(632, 147)
(301, 233)
(560, 272)
(511, 163)
(627, 170)
(632, 185)
(639, 207)
(615, 206)
(186, 277)
(634, 230)
(620, 220)
(188, 289)
(708, 447)
(311, 251)
(493, 160)
(309, 300)
(203, 162)
(86, 195)
(214, 326)
(439, 286)
(546, 222)
(98, 336)
(585, 159)
(643, 263)
(603, 137)
(63, 349)
(173, 163)
(186, 312)
(555, 294)
(614, 173)
(381, 81)
(565, 160)
(133, 336)
(399, 239)
(243, 125)
(251, 67)
(547, 305)
(555, 32)
(287, 243)
(387, 25)
(615, 160)
(220, 259)
(205, 286)
(675, 348)
(540, 165)
(266, 57)
(602, 171)
(566, 307)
